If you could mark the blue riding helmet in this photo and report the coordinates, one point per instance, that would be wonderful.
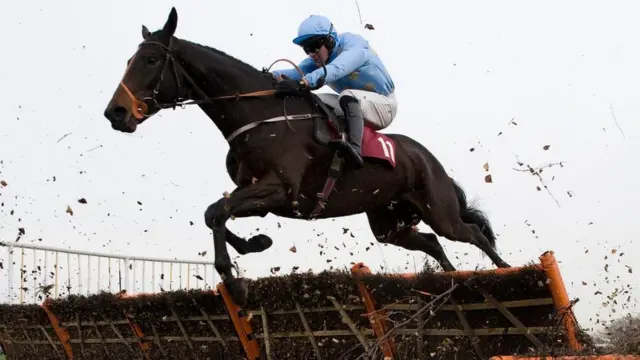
(313, 26)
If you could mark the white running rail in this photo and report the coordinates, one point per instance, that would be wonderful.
(29, 273)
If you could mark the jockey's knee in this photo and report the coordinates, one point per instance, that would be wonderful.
(343, 100)
(348, 94)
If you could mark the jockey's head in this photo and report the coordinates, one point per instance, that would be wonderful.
(317, 36)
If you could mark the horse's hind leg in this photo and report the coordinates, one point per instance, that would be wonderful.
(449, 216)
(393, 225)
(471, 233)
(425, 242)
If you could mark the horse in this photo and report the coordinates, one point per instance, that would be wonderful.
(283, 157)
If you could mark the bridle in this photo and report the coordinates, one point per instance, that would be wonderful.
(139, 107)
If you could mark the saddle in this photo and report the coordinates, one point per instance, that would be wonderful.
(331, 129)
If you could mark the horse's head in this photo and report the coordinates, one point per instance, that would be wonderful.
(151, 81)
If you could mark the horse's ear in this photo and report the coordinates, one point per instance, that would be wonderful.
(145, 32)
(172, 23)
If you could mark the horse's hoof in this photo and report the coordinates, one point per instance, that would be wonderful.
(259, 243)
(238, 290)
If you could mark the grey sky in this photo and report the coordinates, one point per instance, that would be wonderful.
(463, 71)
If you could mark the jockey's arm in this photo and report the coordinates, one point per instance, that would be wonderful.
(307, 65)
(353, 56)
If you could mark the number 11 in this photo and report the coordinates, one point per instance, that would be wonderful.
(387, 148)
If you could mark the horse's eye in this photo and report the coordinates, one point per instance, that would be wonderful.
(151, 60)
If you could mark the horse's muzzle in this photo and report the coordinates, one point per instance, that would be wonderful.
(121, 119)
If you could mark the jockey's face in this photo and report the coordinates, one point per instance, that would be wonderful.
(316, 49)
(320, 54)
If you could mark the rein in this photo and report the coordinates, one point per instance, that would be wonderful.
(139, 107)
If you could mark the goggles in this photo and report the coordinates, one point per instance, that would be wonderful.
(313, 44)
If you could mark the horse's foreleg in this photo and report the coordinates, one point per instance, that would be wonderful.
(266, 194)
(255, 244)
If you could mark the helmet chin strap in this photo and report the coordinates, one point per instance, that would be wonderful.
(333, 42)
(330, 51)
(321, 79)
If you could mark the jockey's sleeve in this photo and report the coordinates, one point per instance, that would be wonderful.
(307, 65)
(353, 56)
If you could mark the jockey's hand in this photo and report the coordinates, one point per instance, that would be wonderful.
(291, 87)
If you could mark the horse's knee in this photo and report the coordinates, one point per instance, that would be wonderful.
(215, 214)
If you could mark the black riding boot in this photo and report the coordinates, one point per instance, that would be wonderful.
(355, 127)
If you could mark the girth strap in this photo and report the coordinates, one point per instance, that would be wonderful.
(252, 125)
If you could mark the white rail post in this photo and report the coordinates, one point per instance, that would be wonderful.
(10, 273)
(126, 274)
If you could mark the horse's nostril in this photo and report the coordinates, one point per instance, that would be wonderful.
(120, 111)
(116, 113)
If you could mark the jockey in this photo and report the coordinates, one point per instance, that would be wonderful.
(365, 90)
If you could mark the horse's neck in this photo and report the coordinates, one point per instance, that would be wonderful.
(218, 75)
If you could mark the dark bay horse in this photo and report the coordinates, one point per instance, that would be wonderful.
(282, 159)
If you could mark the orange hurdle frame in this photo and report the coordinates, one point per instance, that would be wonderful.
(64, 337)
(377, 318)
(241, 324)
(136, 329)
(61, 332)
(548, 264)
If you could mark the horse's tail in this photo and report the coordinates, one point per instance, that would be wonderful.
(470, 214)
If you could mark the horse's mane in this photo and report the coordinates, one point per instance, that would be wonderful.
(214, 51)
(221, 53)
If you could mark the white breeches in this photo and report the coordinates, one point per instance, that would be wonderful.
(377, 109)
